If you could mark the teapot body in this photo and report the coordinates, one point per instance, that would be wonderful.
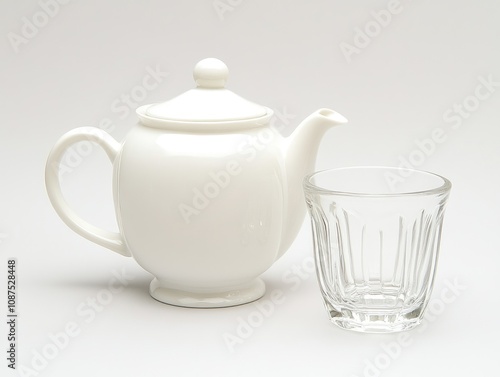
(207, 194)
(201, 211)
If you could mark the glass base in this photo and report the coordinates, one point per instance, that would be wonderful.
(372, 321)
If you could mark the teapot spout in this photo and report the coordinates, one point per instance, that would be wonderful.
(300, 150)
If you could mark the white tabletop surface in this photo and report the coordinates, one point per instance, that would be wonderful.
(428, 68)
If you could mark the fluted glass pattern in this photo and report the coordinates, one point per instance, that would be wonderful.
(376, 250)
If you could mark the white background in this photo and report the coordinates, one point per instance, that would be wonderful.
(429, 57)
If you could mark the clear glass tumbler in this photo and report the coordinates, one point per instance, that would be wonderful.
(376, 234)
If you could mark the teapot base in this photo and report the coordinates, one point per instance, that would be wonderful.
(233, 296)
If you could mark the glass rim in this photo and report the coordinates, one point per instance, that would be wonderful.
(443, 188)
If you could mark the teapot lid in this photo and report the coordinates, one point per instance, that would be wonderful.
(209, 102)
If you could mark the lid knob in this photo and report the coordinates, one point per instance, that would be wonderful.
(210, 73)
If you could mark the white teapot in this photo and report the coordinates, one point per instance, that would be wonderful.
(207, 195)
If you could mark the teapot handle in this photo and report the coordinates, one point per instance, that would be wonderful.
(111, 240)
